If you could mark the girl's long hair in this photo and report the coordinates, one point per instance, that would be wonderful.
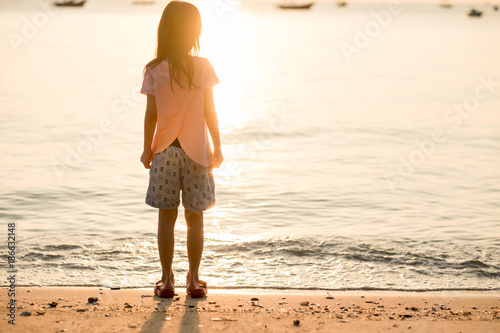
(178, 38)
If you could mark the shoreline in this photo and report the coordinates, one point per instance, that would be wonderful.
(67, 309)
(274, 288)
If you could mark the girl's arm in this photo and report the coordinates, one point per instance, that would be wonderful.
(213, 127)
(149, 131)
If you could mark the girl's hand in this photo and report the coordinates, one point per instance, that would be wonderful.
(146, 158)
(217, 157)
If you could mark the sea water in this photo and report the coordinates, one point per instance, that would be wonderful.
(361, 146)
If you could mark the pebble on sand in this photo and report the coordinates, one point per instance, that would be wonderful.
(53, 304)
(92, 299)
(254, 299)
(25, 313)
(296, 322)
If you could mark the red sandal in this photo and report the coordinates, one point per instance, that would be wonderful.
(163, 293)
(197, 293)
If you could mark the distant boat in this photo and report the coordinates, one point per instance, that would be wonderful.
(292, 5)
(70, 3)
(143, 2)
(341, 3)
(495, 8)
(445, 4)
(475, 13)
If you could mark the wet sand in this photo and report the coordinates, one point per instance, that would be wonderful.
(67, 309)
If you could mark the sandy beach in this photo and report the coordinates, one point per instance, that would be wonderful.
(79, 309)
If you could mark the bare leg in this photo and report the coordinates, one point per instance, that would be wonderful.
(166, 224)
(195, 239)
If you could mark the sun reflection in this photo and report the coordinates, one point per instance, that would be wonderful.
(220, 43)
(228, 111)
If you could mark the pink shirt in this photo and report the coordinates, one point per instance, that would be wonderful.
(181, 115)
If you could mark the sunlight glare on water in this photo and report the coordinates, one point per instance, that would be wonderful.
(221, 41)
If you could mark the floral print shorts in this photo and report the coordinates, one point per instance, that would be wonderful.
(173, 172)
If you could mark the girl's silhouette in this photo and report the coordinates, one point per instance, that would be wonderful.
(180, 109)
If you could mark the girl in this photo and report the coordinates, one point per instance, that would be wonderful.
(180, 108)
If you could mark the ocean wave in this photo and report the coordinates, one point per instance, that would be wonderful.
(416, 255)
(339, 263)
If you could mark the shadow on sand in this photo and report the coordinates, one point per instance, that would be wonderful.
(191, 320)
(155, 322)
(189, 323)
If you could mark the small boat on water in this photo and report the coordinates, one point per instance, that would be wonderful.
(341, 3)
(143, 2)
(475, 13)
(70, 3)
(292, 5)
(495, 8)
(445, 4)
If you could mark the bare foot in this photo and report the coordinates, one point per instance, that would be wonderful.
(192, 285)
(167, 283)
